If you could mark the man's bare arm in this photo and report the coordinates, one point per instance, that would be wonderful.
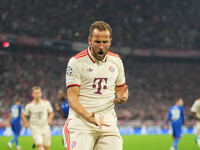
(9, 119)
(24, 120)
(58, 109)
(50, 118)
(74, 103)
(121, 94)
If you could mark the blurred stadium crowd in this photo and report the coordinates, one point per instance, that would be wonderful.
(136, 23)
(153, 84)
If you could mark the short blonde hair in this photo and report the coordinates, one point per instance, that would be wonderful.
(36, 88)
(101, 26)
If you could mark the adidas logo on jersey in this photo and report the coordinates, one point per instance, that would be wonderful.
(90, 69)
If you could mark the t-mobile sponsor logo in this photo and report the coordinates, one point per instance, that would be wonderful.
(99, 83)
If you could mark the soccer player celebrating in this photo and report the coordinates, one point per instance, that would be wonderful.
(14, 120)
(63, 107)
(41, 114)
(95, 81)
(176, 116)
(195, 109)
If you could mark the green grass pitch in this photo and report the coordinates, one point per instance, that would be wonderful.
(131, 142)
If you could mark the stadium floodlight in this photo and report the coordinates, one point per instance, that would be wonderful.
(5, 44)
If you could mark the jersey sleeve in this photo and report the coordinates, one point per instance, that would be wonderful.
(73, 73)
(27, 110)
(20, 109)
(168, 117)
(121, 76)
(194, 107)
(49, 108)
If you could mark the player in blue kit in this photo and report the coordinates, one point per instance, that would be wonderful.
(14, 121)
(176, 116)
(63, 107)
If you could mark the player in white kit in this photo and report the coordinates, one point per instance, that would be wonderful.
(95, 81)
(195, 109)
(41, 114)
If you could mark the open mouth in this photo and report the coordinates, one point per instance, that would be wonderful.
(100, 53)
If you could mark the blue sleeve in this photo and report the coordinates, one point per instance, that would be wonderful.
(66, 100)
(168, 117)
(20, 109)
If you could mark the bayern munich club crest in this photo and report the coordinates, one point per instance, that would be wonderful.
(73, 144)
(112, 69)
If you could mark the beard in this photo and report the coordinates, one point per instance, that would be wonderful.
(100, 55)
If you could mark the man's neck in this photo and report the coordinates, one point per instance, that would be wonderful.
(37, 100)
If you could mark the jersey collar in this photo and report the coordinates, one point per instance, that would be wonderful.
(94, 60)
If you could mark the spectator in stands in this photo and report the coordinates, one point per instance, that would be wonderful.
(171, 24)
